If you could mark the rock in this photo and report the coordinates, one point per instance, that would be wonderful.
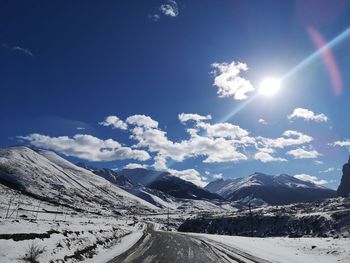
(344, 187)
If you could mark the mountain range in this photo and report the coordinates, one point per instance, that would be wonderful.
(273, 189)
(48, 176)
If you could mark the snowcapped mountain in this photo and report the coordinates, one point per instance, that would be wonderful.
(167, 183)
(47, 176)
(273, 189)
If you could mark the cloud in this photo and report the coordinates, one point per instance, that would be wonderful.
(328, 170)
(170, 8)
(223, 130)
(307, 115)
(262, 121)
(184, 117)
(345, 143)
(290, 138)
(135, 165)
(154, 17)
(142, 121)
(114, 122)
(190, 175)
(212, 143)
(229, 82)
(80, 128)
(310, 178)
(303, 154)
(86, 147)
(18, 49)
(214, 149)
(215, 176)
(266, 157)
(318, 162)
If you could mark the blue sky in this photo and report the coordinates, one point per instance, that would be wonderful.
(66, 66)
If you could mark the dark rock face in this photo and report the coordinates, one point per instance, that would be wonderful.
(344, 187)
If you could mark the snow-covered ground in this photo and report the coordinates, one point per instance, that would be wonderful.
(284, 249)
(67, 235)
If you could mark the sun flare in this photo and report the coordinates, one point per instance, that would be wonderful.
(270, 86)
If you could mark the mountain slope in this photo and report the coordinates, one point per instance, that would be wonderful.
(152, 196)
(167, 183)
(273, 189)
(48, 176)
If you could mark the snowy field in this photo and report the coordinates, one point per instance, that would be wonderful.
(286, 250)
(59, 233)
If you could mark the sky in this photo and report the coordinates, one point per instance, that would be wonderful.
(179, 85)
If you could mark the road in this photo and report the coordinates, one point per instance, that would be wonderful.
(168, 247)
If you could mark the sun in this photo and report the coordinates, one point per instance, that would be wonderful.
(269, 86)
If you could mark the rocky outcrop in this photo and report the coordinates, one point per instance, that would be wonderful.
(344, 187)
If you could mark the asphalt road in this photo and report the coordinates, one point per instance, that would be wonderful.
(168, 247)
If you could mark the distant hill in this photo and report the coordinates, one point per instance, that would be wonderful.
(167, 183)
(273, 189)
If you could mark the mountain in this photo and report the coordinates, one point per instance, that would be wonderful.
(47, 176)
(167, 183)
(109, 175)
(344, 187)
(273, 189)
(152, 196)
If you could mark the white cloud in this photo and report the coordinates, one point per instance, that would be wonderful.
(213, 143)
(142, 121)
(184, 117)
(310, 178)
(229, 82)
(262, 121)
(303, 154)
(86, 147)
(345, 143)
(214, 149)
(215, 176)
(289, 138)
(80, 128)
(190, 175)
(114, 122)
(318, 162)
(223, 130)
(266, 157)
(307, 115)
(135, 165)
(328, 170)
(170, 8)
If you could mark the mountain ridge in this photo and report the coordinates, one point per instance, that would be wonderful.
(274, 189)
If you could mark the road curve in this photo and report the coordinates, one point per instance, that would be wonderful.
(168, 247)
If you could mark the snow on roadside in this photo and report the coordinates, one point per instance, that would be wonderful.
(104, 255)
(289, 250)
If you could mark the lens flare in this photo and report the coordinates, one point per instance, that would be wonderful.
(329, 60)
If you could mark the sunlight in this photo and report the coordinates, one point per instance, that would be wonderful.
(269, 86)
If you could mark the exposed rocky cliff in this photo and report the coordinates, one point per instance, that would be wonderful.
(344, 187)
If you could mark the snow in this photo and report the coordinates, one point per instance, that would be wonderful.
(125, 244)
(226, 187)
(48, 175)
(288, 250)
